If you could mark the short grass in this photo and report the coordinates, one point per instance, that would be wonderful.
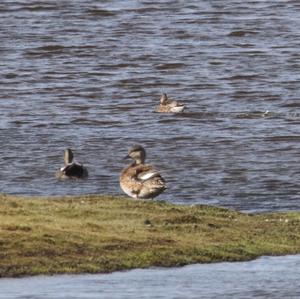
(95, 234)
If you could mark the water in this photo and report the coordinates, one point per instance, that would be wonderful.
(265, 278)
(88, 75)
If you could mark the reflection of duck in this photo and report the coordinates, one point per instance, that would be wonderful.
(71, 168)
(140, 180)
(167, 105)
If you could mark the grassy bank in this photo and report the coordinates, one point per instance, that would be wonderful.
(102, 234)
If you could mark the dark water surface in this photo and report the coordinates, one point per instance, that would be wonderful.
(265, 278)
(88, 75)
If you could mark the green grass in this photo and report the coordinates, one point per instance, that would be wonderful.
(95, 234)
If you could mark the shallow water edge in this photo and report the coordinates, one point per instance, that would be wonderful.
(260, 278)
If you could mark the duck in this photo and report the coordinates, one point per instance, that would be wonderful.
(71, 169)
(169, 106)
(140, 180)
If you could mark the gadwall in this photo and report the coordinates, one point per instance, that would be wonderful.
(140, 180)
(71, 168)
(170, 106)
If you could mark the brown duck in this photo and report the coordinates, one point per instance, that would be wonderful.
(169, 106)
(140, 180)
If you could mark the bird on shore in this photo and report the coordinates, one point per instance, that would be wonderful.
(140, 180)
(169, 106)
(71, 169)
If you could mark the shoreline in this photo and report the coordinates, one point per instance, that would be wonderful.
(63, 275)
(102, 234)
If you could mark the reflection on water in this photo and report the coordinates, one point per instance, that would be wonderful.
(265, 278)
(88, 75)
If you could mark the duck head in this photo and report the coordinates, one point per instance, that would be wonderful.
(68, 156)
(137, 153)
(164, 99)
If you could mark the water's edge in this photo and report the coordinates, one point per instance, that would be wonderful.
(261, 277)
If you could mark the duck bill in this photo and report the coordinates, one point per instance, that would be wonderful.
(126, 157)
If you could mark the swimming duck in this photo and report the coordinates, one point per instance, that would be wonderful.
(71, 168)
(140, 180)
(167, 105)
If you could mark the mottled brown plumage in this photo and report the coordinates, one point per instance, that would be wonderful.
(140, 180)
(169, 106)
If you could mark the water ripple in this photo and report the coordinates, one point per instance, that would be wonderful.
(88, 75)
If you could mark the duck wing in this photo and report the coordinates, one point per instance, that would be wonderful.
(145, 172)
(149, 176)
(176, 104)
